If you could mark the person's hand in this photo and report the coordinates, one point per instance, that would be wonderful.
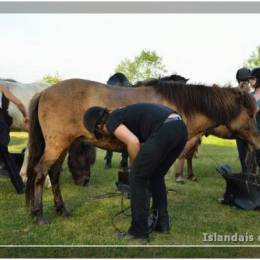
(26, 122)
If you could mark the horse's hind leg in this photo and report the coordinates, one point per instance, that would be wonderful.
(191, 175)
(54, 174)
(49, 157)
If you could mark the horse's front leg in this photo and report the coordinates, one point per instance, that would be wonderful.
(179, 178)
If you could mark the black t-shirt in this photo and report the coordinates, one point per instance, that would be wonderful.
(142, 119)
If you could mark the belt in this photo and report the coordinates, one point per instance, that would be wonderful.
(172, 117)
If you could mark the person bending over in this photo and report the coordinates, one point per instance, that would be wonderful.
(154, 136)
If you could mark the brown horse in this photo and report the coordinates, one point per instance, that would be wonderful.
(57, 119)
(191, 149)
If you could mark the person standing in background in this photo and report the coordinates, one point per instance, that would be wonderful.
(120, 80)
(5, 123)
(243, 77)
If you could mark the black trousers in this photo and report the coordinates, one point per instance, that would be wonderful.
(242, 152)
(8, 159)
(153, 161)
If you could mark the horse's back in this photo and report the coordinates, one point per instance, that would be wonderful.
(77, 84)
(63, 104)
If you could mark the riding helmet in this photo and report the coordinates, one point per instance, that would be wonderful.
(94, 116)
(119, 79)
(243, 74)
(256, 73)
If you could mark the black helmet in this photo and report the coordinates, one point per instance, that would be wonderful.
(93, 117)
(243, 74)
(256, 73)
(119, 79)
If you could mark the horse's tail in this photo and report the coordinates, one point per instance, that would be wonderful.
(36, 147)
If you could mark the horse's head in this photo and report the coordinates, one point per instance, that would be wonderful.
(244, 125)
(81, 157)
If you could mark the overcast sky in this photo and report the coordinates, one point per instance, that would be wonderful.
(206, 48)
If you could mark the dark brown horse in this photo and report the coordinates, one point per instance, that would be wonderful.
(53, 130)
(81, 157)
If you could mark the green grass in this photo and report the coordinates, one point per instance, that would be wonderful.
(193, 207)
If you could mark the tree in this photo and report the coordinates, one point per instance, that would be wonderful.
(254, 59)
(52, 79)
(144, 66)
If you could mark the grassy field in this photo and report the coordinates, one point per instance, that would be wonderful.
(193, 207)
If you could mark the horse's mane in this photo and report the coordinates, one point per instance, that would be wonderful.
(173, 77)
(220, 104)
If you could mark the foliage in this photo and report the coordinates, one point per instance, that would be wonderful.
(144, 66)
(52, 79)
(254, 59)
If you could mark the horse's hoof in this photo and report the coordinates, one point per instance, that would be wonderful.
(107, 167)
(192, 178)
(179, 180)
(42, 221)
(63, 212)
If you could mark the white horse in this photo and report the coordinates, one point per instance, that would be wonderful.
(24, 92)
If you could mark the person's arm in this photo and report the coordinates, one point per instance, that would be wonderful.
(129, 139)
(16, 101)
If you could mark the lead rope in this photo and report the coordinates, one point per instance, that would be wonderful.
(152, 219)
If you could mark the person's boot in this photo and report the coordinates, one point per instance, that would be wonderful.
(163, 224)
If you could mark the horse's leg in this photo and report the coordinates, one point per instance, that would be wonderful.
(108, 158)
(124, 160)
(23, 171)
(49, 157)
(54, 174)
(190, 176)
(179, 178)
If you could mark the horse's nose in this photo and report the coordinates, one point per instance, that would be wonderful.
(83, 181)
